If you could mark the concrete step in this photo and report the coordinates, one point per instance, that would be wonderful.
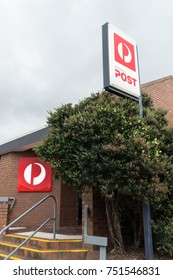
(3, 255)
(42, 249)
(42, 243)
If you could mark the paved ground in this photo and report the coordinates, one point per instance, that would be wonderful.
(50, 235)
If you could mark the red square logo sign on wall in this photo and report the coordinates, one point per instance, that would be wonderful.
(34, 175)
(124, 52)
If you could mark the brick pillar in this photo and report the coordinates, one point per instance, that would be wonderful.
(3, 214)
(87, 199)
(97, 223)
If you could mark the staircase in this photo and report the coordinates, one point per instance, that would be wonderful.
(42, 249)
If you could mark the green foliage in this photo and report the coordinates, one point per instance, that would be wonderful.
(102, 143)
(163, 234)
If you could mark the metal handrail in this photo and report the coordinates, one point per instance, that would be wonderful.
(94, 240)
(28, 238)
(28, 211)
(13, 202)
(6, 200)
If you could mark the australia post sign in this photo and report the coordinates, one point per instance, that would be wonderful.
(34, 175)
(120, 63)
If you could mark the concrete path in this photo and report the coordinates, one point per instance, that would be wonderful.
(50, 235)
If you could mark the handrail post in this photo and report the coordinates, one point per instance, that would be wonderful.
(13, 202)
(86, 220)
(54, 218)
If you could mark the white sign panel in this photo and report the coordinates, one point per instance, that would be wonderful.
(120, 63)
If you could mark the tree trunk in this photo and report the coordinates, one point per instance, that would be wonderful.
(112, 213)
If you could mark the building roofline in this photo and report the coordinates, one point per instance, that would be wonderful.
(28, 141)
(161, 80)
(25, 142)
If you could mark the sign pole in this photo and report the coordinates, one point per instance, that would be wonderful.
(121, 76)
(145, 206)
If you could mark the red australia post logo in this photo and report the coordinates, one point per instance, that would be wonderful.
(124, 52)
(34, 175)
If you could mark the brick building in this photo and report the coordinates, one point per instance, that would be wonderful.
(161, 92)
(67, 199)
(68, 202)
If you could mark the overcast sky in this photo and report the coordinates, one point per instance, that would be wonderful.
(51, 52)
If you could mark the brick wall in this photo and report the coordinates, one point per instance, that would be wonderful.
(66, 210)
(3, 214)
(99, 215)
(68, 206)
(161, 92)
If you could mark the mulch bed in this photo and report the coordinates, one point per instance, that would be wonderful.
(132, 254)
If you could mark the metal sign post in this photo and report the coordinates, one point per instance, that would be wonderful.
(146, 214)
(146, 207)
(121, 76)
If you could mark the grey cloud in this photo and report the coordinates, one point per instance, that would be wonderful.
(51, 52)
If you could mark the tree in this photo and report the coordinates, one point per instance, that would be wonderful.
(102, 143)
